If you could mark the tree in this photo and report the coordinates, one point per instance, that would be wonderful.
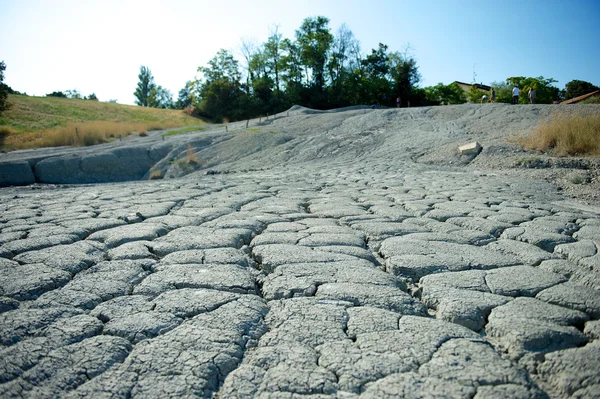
(92, 97)
(291, 71)
(220, 90)
(257, 66)
(405, 74)
(272, 55)
(144, 86)
(160, 98)
(545, 91)
(475, 94)
(58, 94)
(314, 41)
(4, 89)
(342, 62)
(503, 92)
(445, 94)
(248, 48)
(375, 86)
(184, 99)
(222, 66)
(73, 94)
(576, 88)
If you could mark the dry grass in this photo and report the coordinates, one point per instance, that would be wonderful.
(564, 136)
(156, 175)
(5, 131)
(191, 155)
(34, 122)
(77, 135)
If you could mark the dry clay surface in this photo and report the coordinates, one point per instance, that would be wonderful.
(312, 255)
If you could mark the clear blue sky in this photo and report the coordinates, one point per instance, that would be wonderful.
(98, 46)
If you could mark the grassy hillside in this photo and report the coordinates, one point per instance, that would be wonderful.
(49, 121)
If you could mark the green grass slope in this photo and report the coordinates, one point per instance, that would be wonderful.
(46, 121)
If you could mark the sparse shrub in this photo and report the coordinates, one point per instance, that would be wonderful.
(191, 111)
(191, 155)
(577, 178)
(592, 100)
(156, 175)
(184, 165)
(533, 163)
(562, 136)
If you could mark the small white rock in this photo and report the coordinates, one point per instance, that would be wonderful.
(471, 148)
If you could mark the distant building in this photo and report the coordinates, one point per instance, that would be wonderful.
(466, 86)
(581, 98)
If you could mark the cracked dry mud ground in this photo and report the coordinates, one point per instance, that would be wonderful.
(331, 279)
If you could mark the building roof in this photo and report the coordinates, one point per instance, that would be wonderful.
(580, 98)
(477, 85)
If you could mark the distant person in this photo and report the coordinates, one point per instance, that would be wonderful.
(484, 98)
(531, 95)
(493, 95)
(408, 104)
(398, 102)
(516, 93)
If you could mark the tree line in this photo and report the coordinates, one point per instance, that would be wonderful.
(317, 69)
(321, 70)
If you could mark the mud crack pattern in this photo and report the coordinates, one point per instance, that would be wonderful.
(332, 280)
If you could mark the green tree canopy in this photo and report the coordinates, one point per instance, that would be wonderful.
(144, 86)
(475, 94)
(376, 85)
(314, 40)
(445, 94)
(292, 71)
(503, 92)
(160, 98)
(576, 88)
(184, 98)
(3, 88)
(220, 90)
(343, 60)
(75, 94)
(58, 94)
(317, 70)
(545, 91)
(406, 76)
(272, 55)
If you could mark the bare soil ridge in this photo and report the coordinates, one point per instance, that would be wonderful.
(428, 135)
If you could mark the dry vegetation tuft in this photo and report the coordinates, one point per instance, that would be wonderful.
(191, 155)
(156, 174)
(564, 136)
